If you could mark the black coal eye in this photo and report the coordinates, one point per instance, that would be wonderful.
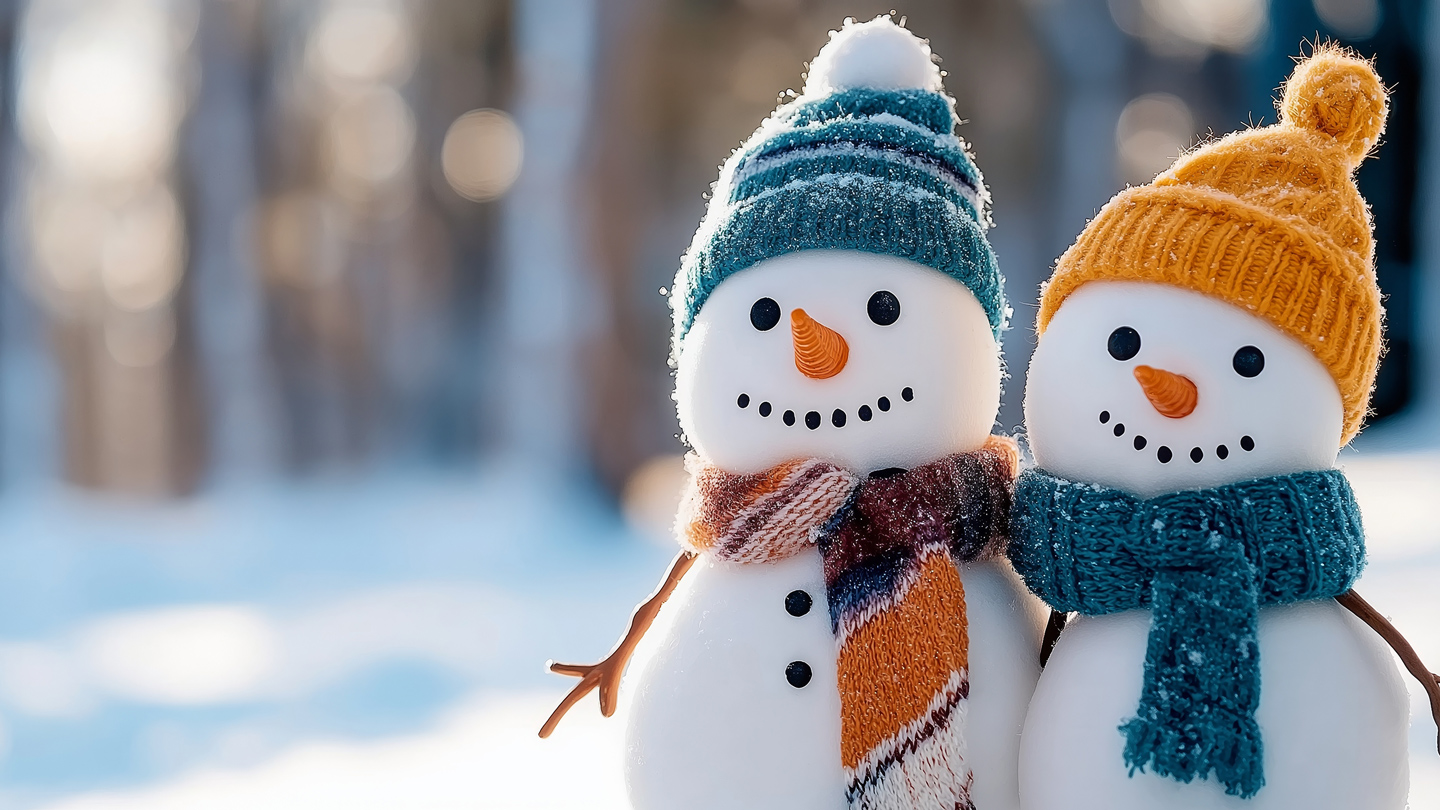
(764, 314)
(884, 308)
(1249, 361)
(1124, 343)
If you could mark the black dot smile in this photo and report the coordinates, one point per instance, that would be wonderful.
(1164, 454)
(839, 417)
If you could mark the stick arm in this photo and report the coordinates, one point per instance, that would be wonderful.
(606, 675)
(1429, 681)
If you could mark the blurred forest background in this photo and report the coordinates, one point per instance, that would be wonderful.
(262, 239)
(298, 294)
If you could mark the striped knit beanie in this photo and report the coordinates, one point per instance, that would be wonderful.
(865, 159)
(1268, 219)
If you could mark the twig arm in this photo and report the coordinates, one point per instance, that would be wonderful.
(606, 675)
(1429, 681)
(1053, 628)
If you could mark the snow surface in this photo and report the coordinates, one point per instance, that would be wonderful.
(141, 644)
(408, 618)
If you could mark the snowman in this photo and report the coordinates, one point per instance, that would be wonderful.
(1206, 346)
(841, 628)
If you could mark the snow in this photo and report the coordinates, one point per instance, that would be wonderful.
(482, 753)
(877, 54)
(409, 617)
(345, 614)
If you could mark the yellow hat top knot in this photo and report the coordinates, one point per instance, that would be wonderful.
(1339, 94)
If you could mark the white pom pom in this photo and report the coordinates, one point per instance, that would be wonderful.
(878, 54)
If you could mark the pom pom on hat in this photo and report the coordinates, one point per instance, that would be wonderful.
(1339, 94)
(878, 55)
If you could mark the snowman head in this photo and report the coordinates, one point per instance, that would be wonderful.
(865, 360)
(1152, 388)
(1223, 322)
(840, 300)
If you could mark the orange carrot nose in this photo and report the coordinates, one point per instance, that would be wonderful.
(820, 352)
(1171, 394)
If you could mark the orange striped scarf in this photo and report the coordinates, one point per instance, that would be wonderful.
(890, 544)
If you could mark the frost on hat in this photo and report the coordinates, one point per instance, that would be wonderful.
(865, 159)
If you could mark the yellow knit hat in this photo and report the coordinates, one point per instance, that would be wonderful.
(1267, 219)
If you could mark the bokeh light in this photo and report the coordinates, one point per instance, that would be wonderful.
(1352, 19)
(482, 154)
(369, 137)
(100, 97)
(363, 43)
(1194, 27)
(1152, 131)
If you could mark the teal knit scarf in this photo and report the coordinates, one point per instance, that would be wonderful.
(1203, 562)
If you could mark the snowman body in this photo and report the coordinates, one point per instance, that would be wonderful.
(1333, 711)
(733, 700)
(716, 723)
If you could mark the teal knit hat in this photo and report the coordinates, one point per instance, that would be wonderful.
(866, 159)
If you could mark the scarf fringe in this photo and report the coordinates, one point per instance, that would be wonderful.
(1233, 751)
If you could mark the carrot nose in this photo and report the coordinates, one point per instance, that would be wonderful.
(1171, 394)
(820, 352)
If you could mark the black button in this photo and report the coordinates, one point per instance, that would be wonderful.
(798, 603)
(798, 674)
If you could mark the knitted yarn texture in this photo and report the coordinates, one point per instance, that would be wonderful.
(1268, 219)
(890, 545)
(878, 171)
(1203, 562)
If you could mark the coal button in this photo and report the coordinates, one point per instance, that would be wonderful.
(797, 603)
(798, 674)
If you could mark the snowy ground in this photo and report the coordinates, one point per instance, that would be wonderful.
(378, 643)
